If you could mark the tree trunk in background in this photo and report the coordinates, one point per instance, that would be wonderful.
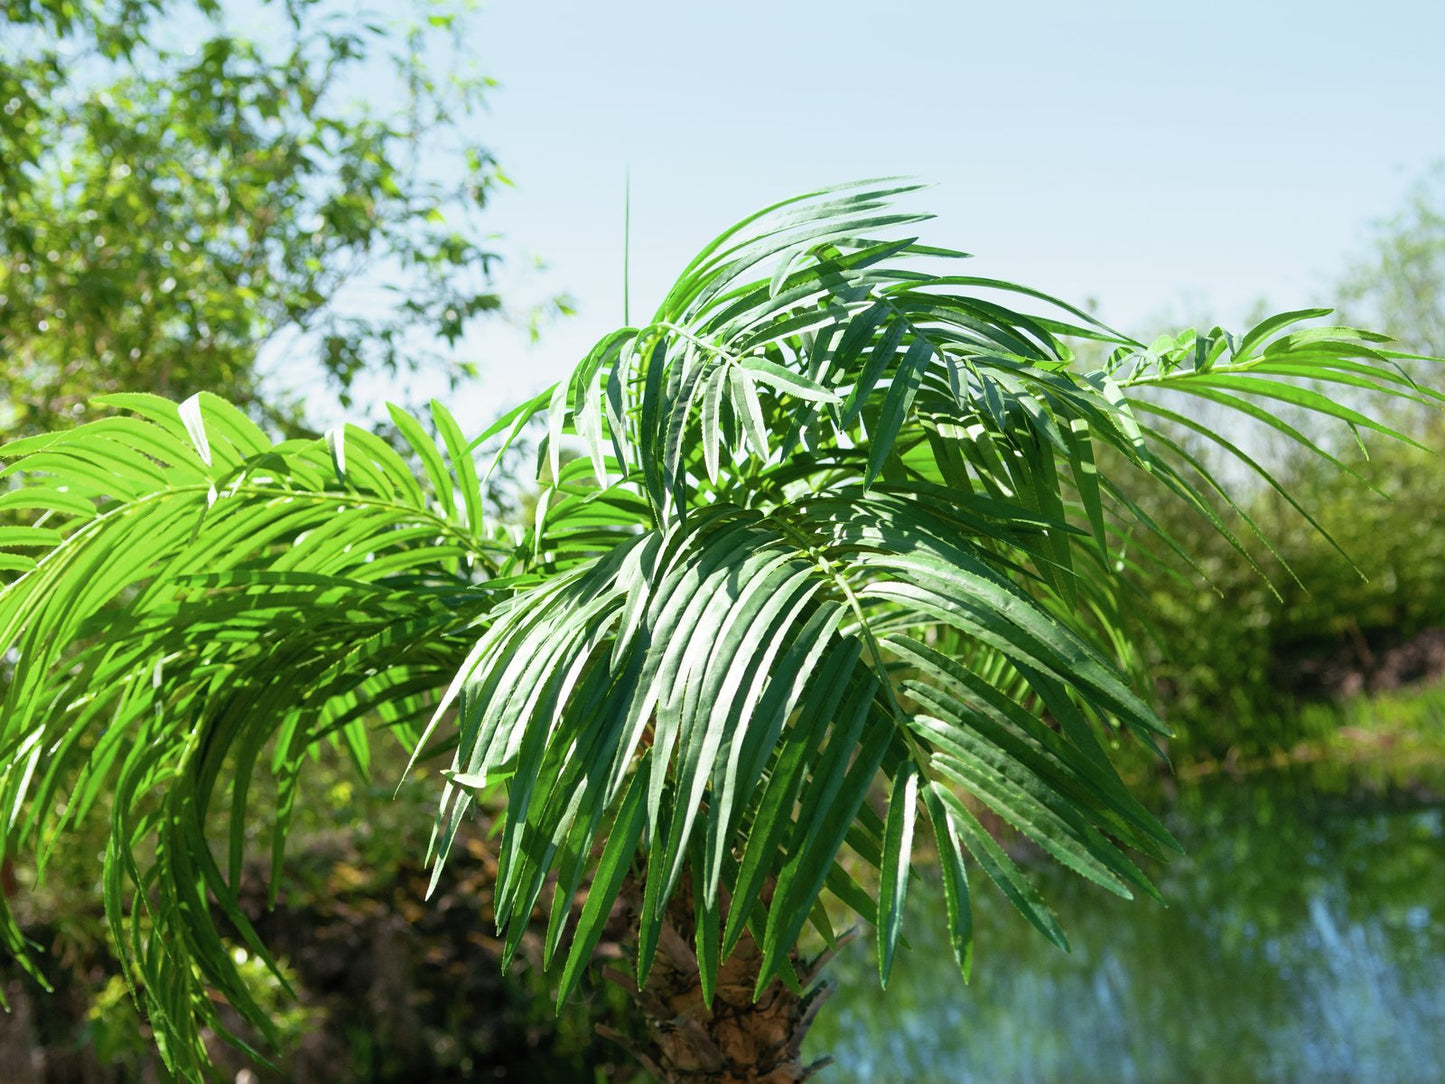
(737, 1040)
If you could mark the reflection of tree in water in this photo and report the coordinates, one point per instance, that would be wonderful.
(1312, 947)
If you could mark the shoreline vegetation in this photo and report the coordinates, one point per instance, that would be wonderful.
(1396, 732)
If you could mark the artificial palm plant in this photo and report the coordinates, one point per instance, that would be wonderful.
(838, 582)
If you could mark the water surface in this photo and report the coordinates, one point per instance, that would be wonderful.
(1304, 941)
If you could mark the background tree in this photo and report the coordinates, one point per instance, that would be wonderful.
(183, 183)
(839, 530)
(1400, 279)
(1365, 606)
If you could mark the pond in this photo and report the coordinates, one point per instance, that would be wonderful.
(1304, 941)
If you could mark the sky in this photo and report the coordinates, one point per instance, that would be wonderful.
(1167, 161)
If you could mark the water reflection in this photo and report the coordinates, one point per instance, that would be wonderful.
(1305, 942)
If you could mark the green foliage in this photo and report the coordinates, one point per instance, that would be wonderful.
(1242, 654)
(1245, 661)
(1391, 740)
(1400, 280)
(842, 521)
(179, 189)
(115, 1028)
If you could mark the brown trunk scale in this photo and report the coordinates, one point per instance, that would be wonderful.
(737, 1040)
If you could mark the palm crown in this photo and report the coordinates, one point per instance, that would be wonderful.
(846, 528)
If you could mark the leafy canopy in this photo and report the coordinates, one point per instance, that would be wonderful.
(1400, 277)
(848, 522)
(182, 183)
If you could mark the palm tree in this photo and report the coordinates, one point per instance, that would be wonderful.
(839, 581)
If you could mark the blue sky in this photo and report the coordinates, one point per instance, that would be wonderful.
(1168, 160)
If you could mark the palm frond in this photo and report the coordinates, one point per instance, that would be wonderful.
(839, 528)
(202, 602)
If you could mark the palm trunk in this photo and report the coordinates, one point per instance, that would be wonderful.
(735, 1041)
